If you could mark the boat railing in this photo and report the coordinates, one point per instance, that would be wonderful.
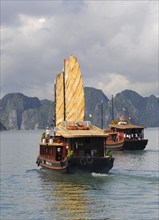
(110, 131)
(121, 122)
(56, 141)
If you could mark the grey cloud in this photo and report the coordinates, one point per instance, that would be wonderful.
(105, 40)
(10, 9)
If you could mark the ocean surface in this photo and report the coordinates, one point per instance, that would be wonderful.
(129, 191)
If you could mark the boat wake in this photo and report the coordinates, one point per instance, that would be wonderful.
(98, 174)
(34, 170)
(143, 174)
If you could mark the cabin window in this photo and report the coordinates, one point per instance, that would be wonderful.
(52, 151)
(87, 141)
(46, 150)
(42, 150)
(58, 149)
(58, 153)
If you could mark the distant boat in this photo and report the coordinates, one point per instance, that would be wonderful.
(131, 136)
(76, 145)
(115, 140)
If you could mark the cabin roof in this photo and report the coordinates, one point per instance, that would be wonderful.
(92, 132)
(125, 127)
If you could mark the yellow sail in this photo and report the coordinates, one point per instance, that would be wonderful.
(74, 93)
(59, 109)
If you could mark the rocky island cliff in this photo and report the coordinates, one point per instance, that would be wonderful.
(21, 112)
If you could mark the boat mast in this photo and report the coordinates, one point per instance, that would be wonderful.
(54, 119)
(64, 90)
(102, 114)
(112, 108)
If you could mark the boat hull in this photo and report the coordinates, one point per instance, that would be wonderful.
(135, 144)
(127, 145)
(73, 165)
(115, 146)
(92, 165)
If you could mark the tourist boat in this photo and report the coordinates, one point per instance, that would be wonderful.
(133, 135)
(76, 144)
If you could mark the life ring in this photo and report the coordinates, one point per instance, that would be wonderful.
(89, 160)
(83, 161)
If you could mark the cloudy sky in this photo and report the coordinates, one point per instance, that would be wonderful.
(115, 42)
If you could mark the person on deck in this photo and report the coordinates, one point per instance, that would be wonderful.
(47, 133)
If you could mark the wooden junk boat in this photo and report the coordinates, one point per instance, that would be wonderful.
(76, 144)
(126, 136)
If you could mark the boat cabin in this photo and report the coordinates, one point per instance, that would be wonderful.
(130, 131)
(82, 139)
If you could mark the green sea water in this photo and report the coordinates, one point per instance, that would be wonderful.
(129, 191)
